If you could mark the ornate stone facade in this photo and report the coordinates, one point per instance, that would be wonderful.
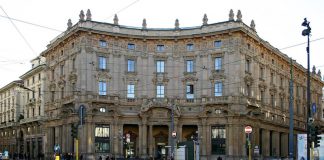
(214, 79)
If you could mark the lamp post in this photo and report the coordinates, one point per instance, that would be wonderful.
(306, 32)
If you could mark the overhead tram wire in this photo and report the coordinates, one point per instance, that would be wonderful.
(21, 35)
(30, 23)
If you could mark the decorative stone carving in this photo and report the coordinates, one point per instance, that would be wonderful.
(231, 15)
(319, 73)
(81, 15)
(248, 79)
(144, 25)
(263, 86)
(61, 83)
(69, 24)
(146, 105)
(176, 24)
(52, 86)
(272, 89)
(314, 70)
(189, 78)
(73, 77)
(239, 16)
(88, 15)
(205, 19)
(252, 25)
(115, 20)
(103, 76)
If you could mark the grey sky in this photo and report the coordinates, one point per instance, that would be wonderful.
(277, 21)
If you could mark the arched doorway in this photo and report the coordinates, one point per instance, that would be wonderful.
(161, 141)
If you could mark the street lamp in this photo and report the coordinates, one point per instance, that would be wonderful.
(306, 32)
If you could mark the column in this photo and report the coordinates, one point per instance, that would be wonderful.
(265, 143)
(150, 137)
(140, 140)
(144, 139)
(203, 136)
(275, 144)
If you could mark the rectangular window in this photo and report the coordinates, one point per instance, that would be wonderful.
(218, 137)
(247, 65)
(190, 47)
(131, 91)
(248, 90)
(102, 43)
(160, 91)
(262, 97)
(218, 89)
(102, 88)
(218, 44)
(102, 63)
(160, 66)
(261, 73)
(190, 91)
(39, 92)
(190, 66)
(61, 70)
(131, 46)
(271, 78)
(131, 65)
(33, 80)
(272, 101)
(160, 48)
(39, 77)
(102, 142)
(73, 63)
(218, 63)
(282, 103)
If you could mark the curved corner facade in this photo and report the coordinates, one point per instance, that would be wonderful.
(139, 85)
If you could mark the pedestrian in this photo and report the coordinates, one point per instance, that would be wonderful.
(100, 158)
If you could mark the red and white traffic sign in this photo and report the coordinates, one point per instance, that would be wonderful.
(248, 129)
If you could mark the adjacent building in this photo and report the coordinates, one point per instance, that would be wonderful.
(135, 91)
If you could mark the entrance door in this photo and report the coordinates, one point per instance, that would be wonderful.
(161, 151)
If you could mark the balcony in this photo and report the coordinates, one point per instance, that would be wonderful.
(31, 119)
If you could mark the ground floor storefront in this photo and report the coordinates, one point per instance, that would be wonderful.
(149, 134)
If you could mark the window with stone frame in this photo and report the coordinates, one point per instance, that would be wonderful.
(218, 139)
(160, 91)
(248, 65)
(218, 89)
(190, 47)
(130, 65)
(102, 88)
(102, 139)
(190, 66)
(160, 66)
(190, 91)
(218, 63)
(131, 91)
(218, 44)
(160, 48)
(102, 63)
(131, 46)
(103, 43)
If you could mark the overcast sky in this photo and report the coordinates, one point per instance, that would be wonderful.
(277, 21)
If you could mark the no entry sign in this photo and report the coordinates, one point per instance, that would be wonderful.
(248, 129)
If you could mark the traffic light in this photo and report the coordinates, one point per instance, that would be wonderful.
(317, 137)
(74, 130)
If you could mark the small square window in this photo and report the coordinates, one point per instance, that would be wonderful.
(103, 43)
(218, 44)
(190, 47)
(131, 46)
(160, 48)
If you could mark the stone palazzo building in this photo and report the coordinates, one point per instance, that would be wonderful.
(215, 79)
